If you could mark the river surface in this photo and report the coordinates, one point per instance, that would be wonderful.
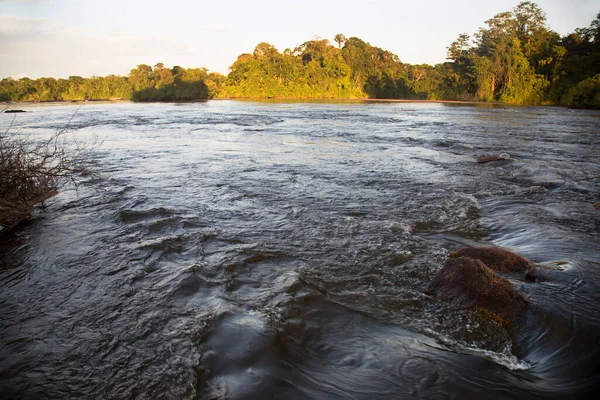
(254, 250)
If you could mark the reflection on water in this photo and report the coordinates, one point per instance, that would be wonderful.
(258, 250)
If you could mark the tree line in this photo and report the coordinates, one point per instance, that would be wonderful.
(143, 83)
(515, 58)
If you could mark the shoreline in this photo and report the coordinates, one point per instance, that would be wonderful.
(281, 100)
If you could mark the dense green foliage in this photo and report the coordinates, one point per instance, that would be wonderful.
(577, 59)
(515, 58)
(586, 94)
(175, 84)
(317, 69)
(74, 88)
(143, 84)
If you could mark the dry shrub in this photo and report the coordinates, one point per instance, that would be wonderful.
(30, 169)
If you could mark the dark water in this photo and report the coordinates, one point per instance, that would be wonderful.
(284, 250)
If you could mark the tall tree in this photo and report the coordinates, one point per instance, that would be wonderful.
(339, 39)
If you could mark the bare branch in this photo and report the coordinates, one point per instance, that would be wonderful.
(31, 169)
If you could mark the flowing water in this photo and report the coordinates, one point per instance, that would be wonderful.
(250, 250)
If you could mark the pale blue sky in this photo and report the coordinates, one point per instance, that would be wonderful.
(68, 37)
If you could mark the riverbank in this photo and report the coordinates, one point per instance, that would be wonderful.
(115, 100)
(283, 100)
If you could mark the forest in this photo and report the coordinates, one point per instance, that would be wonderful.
(514, 58)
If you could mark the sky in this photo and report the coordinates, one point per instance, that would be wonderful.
(59, 38)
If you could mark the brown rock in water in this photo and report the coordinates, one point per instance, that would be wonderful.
(597, 205)
(469, 282)
(499, 260)
(488, 158)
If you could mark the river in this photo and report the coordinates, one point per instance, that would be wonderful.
(253, 250)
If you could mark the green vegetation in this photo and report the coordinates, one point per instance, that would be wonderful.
(72, 89)
(175, 84)
(143, 84)
(586, 94)
(316, 69)
(515, 58)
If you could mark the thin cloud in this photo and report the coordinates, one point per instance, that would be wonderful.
(21, 1)
(214, 28)
(21, 26)
(16, 31)
(75, 50)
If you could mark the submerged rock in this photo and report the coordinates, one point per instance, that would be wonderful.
(499, 260)
(469, 282)
(492, 157)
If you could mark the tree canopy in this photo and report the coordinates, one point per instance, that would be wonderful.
(144, 83)
(514, 58)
